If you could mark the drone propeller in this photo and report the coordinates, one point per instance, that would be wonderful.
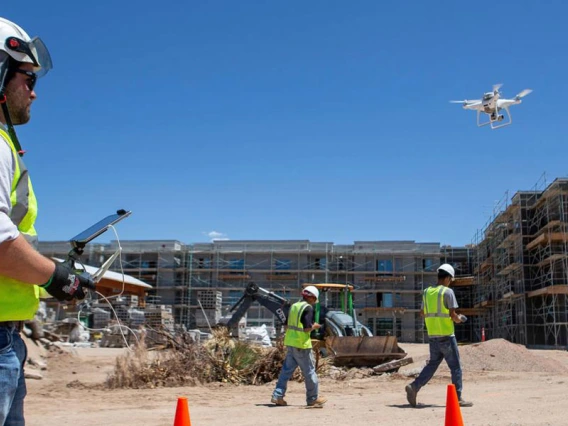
(496, 87)
(465, 101)
(523, 94)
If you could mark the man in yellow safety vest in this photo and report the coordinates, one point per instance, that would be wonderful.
(299, 350)
(23, 270)
(439, 306)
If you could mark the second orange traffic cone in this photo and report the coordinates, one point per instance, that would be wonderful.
(182, 413)
(453, 412)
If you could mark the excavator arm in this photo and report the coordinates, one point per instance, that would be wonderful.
(279, 306)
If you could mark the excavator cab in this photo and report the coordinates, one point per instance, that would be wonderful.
(337, 316)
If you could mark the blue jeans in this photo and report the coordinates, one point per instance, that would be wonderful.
(303, 358)
(13, 354)
(442, 348)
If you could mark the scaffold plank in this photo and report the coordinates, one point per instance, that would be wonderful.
(283, 277)
(380, 310)
(394, 278)
(553, 289)
(551, 259)
(463, 281)
(556, 237)
(512, 267)
(471, 311)
(227, 277)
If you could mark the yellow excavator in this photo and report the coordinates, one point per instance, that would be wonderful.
(349, 342)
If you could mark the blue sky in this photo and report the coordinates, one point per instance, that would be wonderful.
(321, 120)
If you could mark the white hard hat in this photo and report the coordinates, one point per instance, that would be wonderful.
(446, 267)
(17, 44)
(311, 291)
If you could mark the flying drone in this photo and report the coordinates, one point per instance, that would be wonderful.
(492, 104)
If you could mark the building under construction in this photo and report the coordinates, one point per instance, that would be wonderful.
(513, 278)
(521, 269)
(202, 281)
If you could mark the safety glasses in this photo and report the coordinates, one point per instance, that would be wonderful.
(32, 78)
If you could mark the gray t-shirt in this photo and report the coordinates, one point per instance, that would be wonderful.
(450, 300)
(8, 231)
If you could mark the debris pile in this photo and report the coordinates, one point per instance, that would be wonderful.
(185, 362)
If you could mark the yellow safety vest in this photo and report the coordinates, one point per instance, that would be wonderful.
(437, 316)
(295, 334)
(19, 301)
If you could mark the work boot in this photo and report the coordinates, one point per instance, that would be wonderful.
(465, 403)
(317, 402)
(411, 395)
(279, 401)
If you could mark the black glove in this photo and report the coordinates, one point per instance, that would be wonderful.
(67, 284)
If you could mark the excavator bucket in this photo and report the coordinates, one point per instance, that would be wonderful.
(363, 351)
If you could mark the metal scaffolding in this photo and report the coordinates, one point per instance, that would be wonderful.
(521, 267)
(500, 270)
(462, 259)
(548, 258)
(388, 276)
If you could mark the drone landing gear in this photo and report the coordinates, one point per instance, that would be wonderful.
(495, 119)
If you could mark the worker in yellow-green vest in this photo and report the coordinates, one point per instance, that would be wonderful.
(299, 350)
(23, 271)
(439, 306)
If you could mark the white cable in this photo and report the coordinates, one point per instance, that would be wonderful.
(120, 264)
(107, 300)
(120, 325)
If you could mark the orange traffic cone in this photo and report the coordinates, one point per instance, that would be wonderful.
(182, 413)
(483, 334)
(453, 412)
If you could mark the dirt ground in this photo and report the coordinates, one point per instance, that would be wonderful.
(530, 390)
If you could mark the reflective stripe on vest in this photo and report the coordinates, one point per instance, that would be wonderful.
(19, 301)
(295, 334)
(437, 315)
(22, 196)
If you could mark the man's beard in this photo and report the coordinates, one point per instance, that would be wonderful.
(19, 113)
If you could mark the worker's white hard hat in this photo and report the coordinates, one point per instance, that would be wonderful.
(17, 44)
(311, 291)
(446, 267)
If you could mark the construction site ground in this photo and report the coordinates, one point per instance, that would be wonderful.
(508, 385)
